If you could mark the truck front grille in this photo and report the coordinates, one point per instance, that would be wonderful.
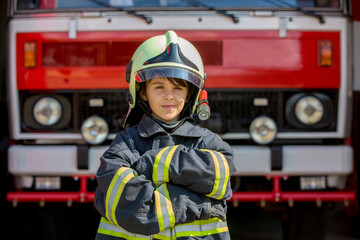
(236, 109)
(113, 109)
(232, 110)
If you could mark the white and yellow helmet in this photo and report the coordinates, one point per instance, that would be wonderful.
(169, 54)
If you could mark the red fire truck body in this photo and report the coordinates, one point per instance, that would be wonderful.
(279, 84)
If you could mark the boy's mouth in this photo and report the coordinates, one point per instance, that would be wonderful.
(168, 106)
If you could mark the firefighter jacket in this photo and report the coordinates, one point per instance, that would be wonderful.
(158, 185)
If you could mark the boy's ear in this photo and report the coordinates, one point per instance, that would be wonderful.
(143, 95)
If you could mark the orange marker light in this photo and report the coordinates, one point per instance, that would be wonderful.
(326, 54)
(30, 54)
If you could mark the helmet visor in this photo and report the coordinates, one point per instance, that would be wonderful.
(170, 72)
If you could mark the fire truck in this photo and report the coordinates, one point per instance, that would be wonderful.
(280, 84)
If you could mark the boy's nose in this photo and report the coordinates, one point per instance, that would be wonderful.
(169, 95)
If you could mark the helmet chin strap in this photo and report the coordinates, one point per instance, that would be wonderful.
(139, 109)
(186, 112)
(143, 105)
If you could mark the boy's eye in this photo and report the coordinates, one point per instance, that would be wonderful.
(179, 88)
(157, 86)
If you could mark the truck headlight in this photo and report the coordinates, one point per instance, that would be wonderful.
(263, 130)
(309, 110)
(47, 111)
(94, 130)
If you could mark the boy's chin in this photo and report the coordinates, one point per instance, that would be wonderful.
(169, 120)
(167, 117)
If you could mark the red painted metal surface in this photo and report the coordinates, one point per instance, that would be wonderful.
(251, 59)
(277, 195)
(50, 197)
(48, 4)
(355, 7)
(82, 196)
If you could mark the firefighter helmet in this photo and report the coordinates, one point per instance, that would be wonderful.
(170, 56)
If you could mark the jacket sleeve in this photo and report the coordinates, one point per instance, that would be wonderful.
(129, 200)
(205, 169)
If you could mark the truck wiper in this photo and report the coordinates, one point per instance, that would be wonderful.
(309, 13)
(219, 11)
(133, 13)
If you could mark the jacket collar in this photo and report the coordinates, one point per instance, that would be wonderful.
(148, 127)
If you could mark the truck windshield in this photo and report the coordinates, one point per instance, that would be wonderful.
(70, 5)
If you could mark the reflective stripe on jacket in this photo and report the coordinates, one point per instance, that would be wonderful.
(199, 228)
(150, 181)
(161, 171)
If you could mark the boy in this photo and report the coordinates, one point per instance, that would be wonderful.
(164, 178)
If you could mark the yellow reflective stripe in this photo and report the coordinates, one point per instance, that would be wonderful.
(201, 222)
(162, 237)
(169, 206)
(162, 164)
(120, 234)
(197, 228)
(200, 228)
(202, 233)
(107, 228)
(217, 173)
(222, 174)
(113, 193)
(227, 175)
(108, 193)
(104, 220)
(159, 211)
(118, 194)
(168, 234)
(156, 165)
(164, 210)
(167, 163)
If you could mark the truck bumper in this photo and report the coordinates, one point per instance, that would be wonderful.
(336, 161)
(52, 160)
(294, 160)
(248, 160)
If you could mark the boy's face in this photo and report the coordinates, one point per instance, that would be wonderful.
(165, 99)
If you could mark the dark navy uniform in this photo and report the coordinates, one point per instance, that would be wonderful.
(157, 184)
